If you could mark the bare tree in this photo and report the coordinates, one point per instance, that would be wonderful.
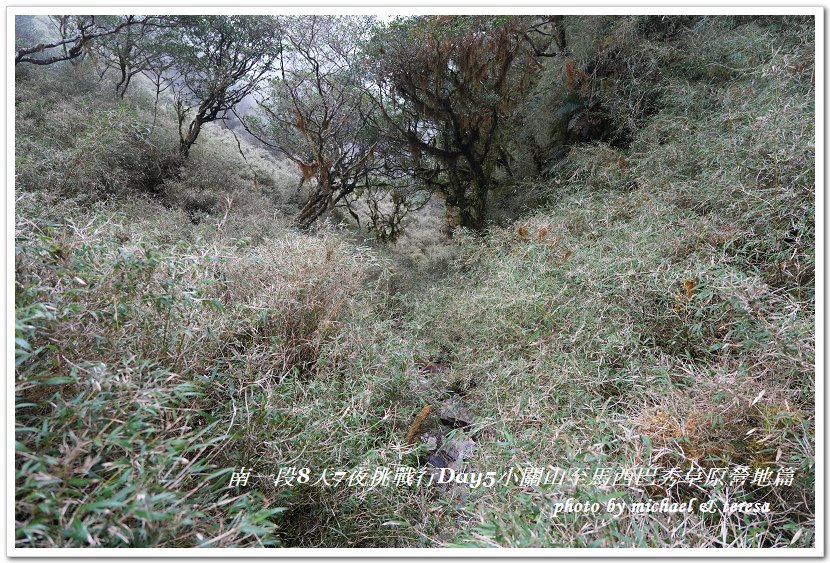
(312, 113)
(388, 202)
(218, 61)
(135, 50)
(77, 35)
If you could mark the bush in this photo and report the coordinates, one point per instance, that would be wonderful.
(654, 307)
(649, 315)
(130, 358)
(83, 142)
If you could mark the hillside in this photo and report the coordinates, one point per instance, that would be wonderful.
(642, 295)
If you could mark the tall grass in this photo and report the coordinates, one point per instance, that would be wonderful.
(656, 307)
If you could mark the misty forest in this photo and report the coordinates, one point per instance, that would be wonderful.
(278, 277)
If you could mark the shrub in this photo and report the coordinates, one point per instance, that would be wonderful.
(130, 357)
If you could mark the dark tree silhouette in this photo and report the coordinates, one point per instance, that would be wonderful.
(448, 84)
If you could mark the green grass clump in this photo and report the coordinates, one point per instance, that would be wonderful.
(654, 306)
(146, 371)
(660, 310)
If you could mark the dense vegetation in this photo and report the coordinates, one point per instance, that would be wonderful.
(598, 233)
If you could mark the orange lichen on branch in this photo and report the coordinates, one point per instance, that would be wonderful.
(308, 170)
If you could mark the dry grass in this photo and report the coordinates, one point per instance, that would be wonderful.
(657, 310)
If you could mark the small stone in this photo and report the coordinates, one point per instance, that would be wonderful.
(431, 442)
(459, 448)
(437, 460)
(455, 414)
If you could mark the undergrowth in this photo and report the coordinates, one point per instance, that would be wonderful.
(654, 307)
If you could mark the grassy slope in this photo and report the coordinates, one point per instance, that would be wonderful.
(633, 320)
(672, 285)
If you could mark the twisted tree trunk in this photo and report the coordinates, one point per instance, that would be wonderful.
(319, 201)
